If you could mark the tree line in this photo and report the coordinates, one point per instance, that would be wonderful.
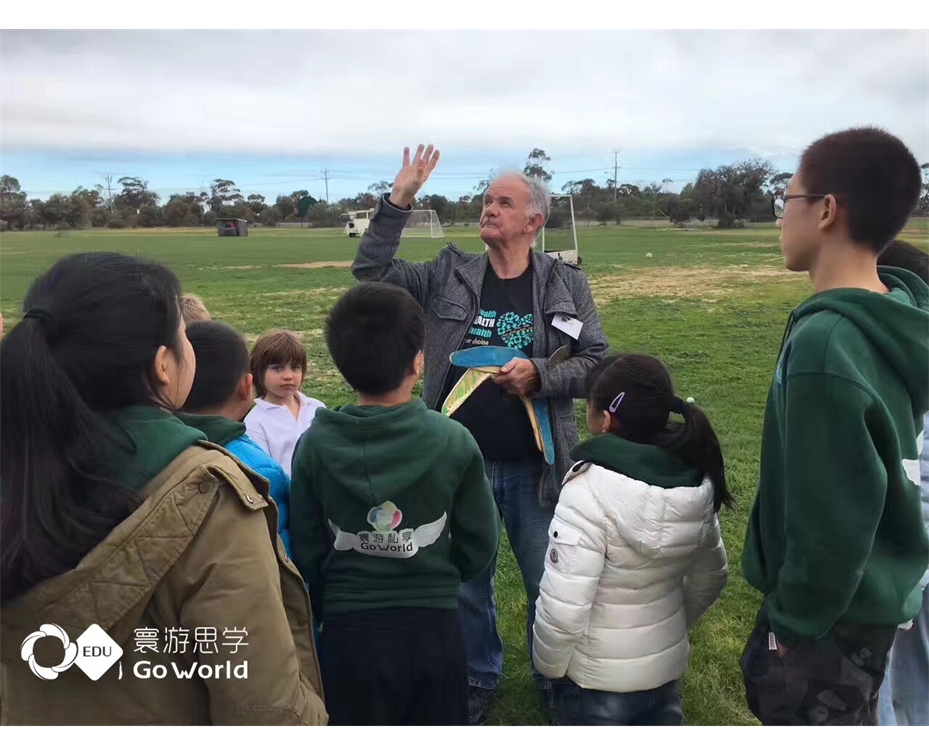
(730, 194)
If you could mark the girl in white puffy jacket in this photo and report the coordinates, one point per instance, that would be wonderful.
(635, 555)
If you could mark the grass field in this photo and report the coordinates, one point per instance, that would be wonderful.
(712, 305)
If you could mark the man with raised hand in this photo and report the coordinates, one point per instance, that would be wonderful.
(514, 297)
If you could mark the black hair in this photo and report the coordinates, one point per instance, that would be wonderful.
(91, 329)
(872, 174)
(638, 393)
(906, 256)
(374, 333)
(222, 362)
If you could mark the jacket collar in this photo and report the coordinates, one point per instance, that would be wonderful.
(472, 272)
(549, 289)
(266, 405)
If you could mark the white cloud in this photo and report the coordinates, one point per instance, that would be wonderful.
(344, 93)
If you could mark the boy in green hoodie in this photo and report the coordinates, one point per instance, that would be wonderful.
(835, 540)
(390, 511)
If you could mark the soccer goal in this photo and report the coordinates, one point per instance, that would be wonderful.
(559, 235)
(423, 224)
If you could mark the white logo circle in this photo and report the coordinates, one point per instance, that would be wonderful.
(49, 630)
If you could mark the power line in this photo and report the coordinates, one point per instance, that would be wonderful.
(615, 176)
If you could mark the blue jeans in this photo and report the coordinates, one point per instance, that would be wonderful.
(575, 706)
(516, 491)
(904, 697)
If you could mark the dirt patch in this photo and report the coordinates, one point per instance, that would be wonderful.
(917, 233)
(751, 244)
(323, 370)
(302, 292)
(317, 265)
(709, 284)
(303, 335)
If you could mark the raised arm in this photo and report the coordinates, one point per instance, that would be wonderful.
(376, 259)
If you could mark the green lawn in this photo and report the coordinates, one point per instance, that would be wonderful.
(712, 305)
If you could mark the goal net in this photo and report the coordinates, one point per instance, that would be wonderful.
(423, 224)
(559, 233)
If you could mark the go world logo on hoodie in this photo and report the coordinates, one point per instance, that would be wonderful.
(385, 541)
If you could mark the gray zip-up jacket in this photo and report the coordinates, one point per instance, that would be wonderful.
(449, 290)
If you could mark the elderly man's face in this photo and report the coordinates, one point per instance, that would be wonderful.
(505, 217)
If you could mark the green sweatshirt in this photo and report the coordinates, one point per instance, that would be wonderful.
(836, 531)
(390, 507)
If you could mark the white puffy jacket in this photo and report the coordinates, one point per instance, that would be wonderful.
(630, 567)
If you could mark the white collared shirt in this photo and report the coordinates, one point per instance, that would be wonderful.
(277, 431)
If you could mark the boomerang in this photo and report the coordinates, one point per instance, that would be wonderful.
(480, 363)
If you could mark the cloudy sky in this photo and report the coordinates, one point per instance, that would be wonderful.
(273, 109)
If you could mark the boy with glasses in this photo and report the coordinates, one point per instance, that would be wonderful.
(835, 541)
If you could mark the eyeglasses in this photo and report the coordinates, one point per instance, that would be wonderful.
(778, 204)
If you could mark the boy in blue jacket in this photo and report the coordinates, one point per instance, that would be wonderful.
(220, 397)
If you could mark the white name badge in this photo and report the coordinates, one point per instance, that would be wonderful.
(569, 325)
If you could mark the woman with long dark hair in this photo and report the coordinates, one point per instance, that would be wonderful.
(150, 555)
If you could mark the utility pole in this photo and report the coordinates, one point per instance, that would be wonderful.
(615, 175)
(326, 178)
(108, 179)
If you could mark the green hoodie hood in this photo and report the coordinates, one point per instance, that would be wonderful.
(218, 430)
(896, 325)
(836, 532)
(379, 449)
(147, 439)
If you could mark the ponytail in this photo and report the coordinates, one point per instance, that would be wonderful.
(52, 450)
(696, 443)
(638, 393)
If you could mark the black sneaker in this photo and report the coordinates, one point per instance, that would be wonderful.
(479, 700)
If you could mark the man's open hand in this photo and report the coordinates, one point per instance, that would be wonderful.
(518, 376)
(413, 174)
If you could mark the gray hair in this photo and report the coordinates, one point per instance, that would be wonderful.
(540, 197)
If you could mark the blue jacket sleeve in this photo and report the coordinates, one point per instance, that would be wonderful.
(280, 492)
